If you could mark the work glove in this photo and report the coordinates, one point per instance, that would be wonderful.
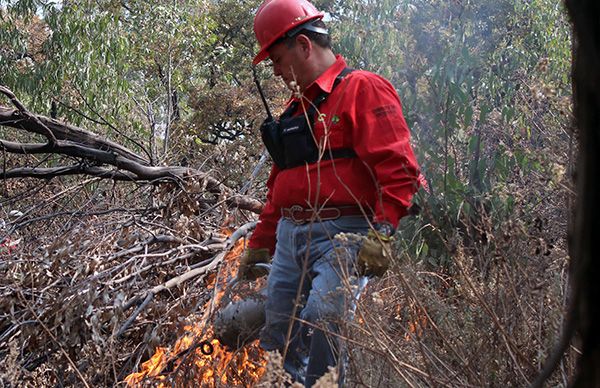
(374, 255)
(246, 269)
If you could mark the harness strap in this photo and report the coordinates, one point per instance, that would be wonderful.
(312, 111)
(339, 153)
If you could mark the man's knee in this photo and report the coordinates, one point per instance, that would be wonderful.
(323, 309)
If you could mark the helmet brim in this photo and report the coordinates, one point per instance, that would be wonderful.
(261, 56)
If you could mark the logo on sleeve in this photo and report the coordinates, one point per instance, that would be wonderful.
(384, 110)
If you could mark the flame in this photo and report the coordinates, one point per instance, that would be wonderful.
(185, 363)
(150, 368)
(417, 324)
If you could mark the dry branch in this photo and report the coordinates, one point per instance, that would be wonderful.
(22, 111)
(36, 123)
(51, 172)
(212, 264)
(98, 155)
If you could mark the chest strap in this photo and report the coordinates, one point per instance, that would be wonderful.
(321, 97)
(336, 153)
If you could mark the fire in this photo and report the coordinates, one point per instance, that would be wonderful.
(417, 324)
(199, 359)
(150, 368)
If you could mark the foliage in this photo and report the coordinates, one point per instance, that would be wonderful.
(135, 70)
(485, 89)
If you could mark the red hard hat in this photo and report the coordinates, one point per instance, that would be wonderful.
(276, 17)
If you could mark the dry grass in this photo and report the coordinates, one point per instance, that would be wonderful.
(481, 306)
(487, 318)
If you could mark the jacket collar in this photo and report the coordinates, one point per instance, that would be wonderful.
(325, 81)
(327, 78)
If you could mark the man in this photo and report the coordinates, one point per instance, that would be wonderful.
(342, 163)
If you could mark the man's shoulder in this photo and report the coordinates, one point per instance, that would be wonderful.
(358, 75)
(364, 81)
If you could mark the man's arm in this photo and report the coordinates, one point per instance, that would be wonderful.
(381, 139)
(264, 234)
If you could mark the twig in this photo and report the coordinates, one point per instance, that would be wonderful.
(257, 168)
(150, 266)
(141, 307)
(14, 327)
(103, 121)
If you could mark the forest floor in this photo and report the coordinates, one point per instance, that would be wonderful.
(95, 287)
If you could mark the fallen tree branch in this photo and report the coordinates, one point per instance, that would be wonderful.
(24, 112)
(141, 171)
(97, 152)
(51, 172)
(13, 118)
(167, 285)
(149, 295)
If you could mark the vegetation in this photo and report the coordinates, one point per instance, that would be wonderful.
(478, 293)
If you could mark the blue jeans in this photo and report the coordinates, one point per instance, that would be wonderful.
(312, 278)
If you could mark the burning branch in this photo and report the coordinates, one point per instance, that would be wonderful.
(213, 263)
(197, 353)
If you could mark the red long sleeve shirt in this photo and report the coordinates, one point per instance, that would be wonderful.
(363, 113)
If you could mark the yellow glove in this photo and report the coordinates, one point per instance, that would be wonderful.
(374, 255)
(246, 269)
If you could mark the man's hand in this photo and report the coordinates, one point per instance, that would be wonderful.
(246, 270)
(374, 255)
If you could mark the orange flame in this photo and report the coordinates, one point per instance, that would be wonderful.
(418, 323)
(186, 362)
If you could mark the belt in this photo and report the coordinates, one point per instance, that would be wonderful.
(299, 215)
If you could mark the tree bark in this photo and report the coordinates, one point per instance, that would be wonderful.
(585, 230)
(10, 117)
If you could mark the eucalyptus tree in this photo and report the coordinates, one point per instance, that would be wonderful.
(125, 69)
(484, 86)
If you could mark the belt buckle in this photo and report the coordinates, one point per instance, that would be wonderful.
(293, 210)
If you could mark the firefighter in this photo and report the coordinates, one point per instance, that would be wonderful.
(342, 163)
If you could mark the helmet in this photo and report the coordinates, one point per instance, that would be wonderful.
(275, 18)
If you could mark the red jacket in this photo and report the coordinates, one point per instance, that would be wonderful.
(362, 113)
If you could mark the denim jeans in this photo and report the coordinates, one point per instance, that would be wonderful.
(312, 287)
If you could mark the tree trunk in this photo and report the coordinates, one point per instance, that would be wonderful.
(585, 230)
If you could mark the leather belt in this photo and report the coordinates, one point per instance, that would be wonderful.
(299, 215)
